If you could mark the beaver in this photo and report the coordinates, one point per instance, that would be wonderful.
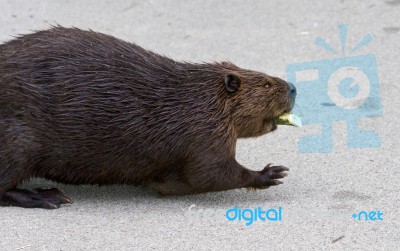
(82, 107)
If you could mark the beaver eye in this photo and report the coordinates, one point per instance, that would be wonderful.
(267, 85)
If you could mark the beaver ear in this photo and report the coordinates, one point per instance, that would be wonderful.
(232, 83)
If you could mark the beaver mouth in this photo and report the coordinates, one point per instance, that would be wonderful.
(270, 121)
(271, 124)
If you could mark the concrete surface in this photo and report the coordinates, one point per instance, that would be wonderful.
(321, 192)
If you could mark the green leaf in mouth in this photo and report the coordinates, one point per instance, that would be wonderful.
(289, 119)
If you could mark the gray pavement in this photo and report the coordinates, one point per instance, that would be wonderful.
(322, 191)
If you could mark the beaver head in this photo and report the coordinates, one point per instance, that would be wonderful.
(256, 99)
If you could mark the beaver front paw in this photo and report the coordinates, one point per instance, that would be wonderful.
(270, 174)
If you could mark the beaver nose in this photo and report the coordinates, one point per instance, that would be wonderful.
(292, 89)
(292, 94)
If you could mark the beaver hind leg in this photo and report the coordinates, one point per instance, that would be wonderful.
(39, 198)
(18, 150)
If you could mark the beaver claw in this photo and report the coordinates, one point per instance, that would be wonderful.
(39, 198)
(270, 174)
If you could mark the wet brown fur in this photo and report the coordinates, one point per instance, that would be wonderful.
(81, 107)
